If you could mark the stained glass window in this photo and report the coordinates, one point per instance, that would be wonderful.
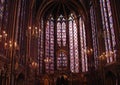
(3, 13)
(61, 31)
(49, 46)
(5, 17)
(73, 45)
(83, 46)
(2, 6)
(62, 50)
(41, 48)
(108, 28)
(94, 35)
(64, 33)
(61, 61)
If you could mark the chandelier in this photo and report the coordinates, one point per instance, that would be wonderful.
(33, 32)
(47, 60)
(3, 35)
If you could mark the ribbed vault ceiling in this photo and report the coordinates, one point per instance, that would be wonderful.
(58, 7)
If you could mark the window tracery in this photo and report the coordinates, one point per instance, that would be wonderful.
(61, 31)
(75, 56)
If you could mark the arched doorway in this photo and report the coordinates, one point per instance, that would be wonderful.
(62, 80)
(110, 79)
(47, 80)
(20, 80)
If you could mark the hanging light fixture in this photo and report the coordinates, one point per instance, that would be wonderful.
(47, 60)
(33, 32)
(3, 35)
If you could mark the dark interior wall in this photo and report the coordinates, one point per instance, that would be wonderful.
(110, 79)
(20, 80)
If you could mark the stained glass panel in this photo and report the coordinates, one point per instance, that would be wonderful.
(83, 46)
(108, 28)
(49, 46)
(61, 61)
(41, 48)
(59, 35)
(61, 31)
(94, 35)
(64, 33)
(2, 6)
(73, 45)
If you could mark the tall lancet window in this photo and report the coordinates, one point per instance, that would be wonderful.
(49, 46)
(108, 28)
(61, 41)
(2, 6)
(94, 34)
(41, 47)
(83, 46)
(3, 19)
(3, 13)
(61, 31)
(73, 45)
